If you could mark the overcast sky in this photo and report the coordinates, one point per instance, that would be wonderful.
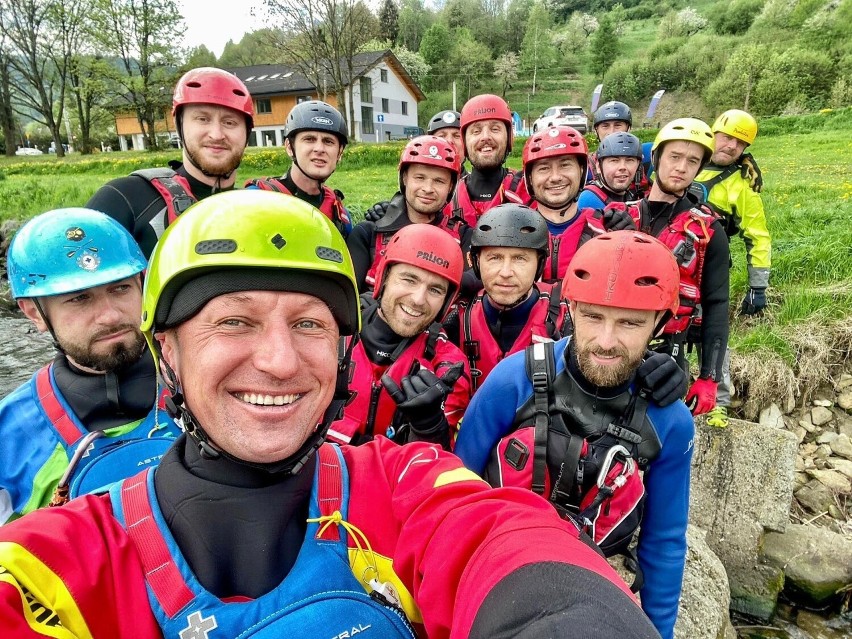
(214, 22)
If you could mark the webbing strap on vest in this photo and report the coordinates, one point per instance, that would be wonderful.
(329, 489)
(58, 416)
(595, 189)
(171, 187)
(269, 184)
(470, 346)
(716, 179)
(161, 571)
(539, 361)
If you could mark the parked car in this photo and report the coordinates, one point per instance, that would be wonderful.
(573, 116)
(27, 150)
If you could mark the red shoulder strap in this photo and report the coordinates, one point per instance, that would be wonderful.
(175, 192)
(269, 184)
(58, 416)
(161, 571)
(329, 488)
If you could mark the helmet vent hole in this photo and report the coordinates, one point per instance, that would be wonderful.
(487, 228)
(527, 229)
(212, 247)
(240, 93)
(647, 281)
(582, 275)
(194, 85)
(330, 254)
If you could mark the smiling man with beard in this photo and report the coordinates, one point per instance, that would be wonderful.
(588, 424)
(214, 115)
(408, 381)
(76, 273)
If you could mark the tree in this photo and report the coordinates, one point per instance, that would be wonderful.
(604, 47)
(537, 50)
(321, 38)
(686, 22)
(41, 36)
(469, 60)
(414, 20)
(414, 63)
(257, 47)
(735, 86)
(200, 56)
(141, 35)
(575, 36)
(389, 21)
(506, 70)
(435, 48)
(7, 115)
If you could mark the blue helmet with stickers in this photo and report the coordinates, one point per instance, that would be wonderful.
(68, 250)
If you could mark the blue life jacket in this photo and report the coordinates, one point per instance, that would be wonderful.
(97, 458)
(320, 597)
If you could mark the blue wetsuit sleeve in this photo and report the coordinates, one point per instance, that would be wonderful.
(589, 200)
(491, 412)
(662, 541)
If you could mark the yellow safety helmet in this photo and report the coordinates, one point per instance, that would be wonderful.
(686, 130)
(738, 124)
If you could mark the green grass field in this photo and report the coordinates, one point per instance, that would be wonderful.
(803, 339)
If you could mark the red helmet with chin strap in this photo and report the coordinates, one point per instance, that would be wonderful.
(431, 151)
(487, 107)
(624, 269)
(552, 142)
(209, 85)
(430, 248)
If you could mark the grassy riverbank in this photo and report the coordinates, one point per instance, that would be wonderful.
(800, 342)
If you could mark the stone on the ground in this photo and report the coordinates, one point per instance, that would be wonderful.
(814, 496)
(842, 446)
(821, 415)
(705, 597)
(832, 480)
(816, 561)
(771, 417)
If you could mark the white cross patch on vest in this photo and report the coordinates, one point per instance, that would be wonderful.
(198, 628)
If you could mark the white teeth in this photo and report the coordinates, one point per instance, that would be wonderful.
(410, 311)
(268, 400)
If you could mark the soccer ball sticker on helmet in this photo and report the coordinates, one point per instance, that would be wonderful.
(553, 132)
(449, 117)
(74, 234)
(89, 260)
(433, 152)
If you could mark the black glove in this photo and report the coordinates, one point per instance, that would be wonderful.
(661, 375)
(754, 302)
(751, 172)
(377, 211)
(618, 220)
(420, 401)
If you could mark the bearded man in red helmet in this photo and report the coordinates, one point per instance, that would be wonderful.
(408, 381)
(214, 115)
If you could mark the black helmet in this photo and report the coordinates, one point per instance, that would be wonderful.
(613, 111)
(314, 115)
(620, 145)
(510, 225)
(444, 120)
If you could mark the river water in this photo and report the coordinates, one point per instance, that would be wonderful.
(22, 350)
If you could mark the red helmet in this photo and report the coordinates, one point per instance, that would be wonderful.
(626, 269)
(556, 141)
(208, 85)
(487, 107)
(427, 247)
(432, 151)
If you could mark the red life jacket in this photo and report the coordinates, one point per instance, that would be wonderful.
(687, 235)
(372, 411)
(462, 208)
(175, 191)
(562, 248)
(544, 324)
(641, 182)
(330, 205)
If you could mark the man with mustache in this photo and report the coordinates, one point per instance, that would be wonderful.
(315, 137)
(77, 274)
(571, 422)
(697, 238)
(408, 381)
(214, 116)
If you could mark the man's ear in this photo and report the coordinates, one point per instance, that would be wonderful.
(29, 308)
(289, 148)
(169, 360)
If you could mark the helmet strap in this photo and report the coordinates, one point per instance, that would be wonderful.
(48, 324)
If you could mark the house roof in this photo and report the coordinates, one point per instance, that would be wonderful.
(277, 79)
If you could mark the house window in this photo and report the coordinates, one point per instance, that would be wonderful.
(367, 127)
(366, 90)
(263, 105)
(404, 107)
(385, 105)
(303, 98)
(384, 74)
